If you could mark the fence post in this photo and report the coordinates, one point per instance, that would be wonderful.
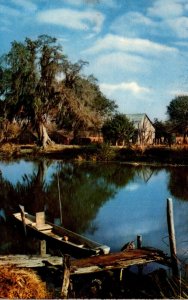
(172, 238)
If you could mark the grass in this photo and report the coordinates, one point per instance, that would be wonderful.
(22, 284)
(177, 154)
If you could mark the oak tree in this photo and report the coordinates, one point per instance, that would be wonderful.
(177, 111)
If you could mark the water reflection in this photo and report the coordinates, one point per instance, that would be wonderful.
(108, 202)
(178, 182)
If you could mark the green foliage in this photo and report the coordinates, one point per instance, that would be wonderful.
(160, 128)
(30, 86)
(165, 131)
(84, 104)
(178, 113)
(118, 130)
(105, 152)
(29, 77)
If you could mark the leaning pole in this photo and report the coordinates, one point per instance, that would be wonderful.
(172, 238)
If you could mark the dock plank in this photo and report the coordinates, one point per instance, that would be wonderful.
(117, 260)
(29, 261)
(92, 264)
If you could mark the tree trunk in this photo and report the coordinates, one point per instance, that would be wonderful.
(43, 136)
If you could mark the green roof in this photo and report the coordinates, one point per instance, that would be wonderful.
(136, 118)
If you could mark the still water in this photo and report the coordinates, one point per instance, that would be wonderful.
(110, 203)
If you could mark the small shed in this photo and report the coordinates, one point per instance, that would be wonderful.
(145, 131)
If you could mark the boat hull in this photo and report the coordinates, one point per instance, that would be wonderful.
(62, 239)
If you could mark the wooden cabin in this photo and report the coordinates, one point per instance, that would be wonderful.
(145, 131)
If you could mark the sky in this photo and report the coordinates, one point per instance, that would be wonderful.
(137, 49)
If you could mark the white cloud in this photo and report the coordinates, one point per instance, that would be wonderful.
(163, 18)
(132, 87)
(132, 24)
(179, 26)
(166, 9)
(132, 187)
(172, 16)
(119, 62)
(137, 18)
(25, 4)
(73, 19)
(114, 42)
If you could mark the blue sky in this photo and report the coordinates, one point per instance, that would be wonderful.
(137, 49)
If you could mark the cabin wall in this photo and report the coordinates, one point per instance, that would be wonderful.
(146, 132)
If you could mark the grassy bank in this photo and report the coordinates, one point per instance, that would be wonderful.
(154, 154)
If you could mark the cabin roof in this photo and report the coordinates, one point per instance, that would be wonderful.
(137, 118)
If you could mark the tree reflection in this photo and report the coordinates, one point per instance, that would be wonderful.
(145, 173)
(114, 173)
(31, 192)
(82, 194)
(178, 182)
(6, 193)
(81, 191)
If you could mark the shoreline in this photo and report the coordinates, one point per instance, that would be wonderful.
(153, 155)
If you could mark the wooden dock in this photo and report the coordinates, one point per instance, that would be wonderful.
(117, 260)
(129, 256)
(30, 261)
(91, 264)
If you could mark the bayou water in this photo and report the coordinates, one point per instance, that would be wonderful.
(110, 203)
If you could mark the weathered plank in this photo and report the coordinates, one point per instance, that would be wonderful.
(29, 261)
(92, 264)
(117, 260)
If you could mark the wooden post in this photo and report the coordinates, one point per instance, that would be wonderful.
(172, 239)
(43, 248)
(40, 219)
(23, 218)
(121, 274)
(66, 276)
(139, 241)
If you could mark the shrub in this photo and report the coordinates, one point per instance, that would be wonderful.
(105, 152)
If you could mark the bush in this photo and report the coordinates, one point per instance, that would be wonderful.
(105, 152)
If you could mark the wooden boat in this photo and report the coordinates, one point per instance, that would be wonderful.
(63, 239)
